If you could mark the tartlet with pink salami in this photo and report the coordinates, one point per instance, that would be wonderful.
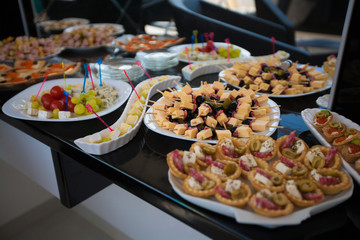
(230, 149)
(271, 204)
(262, 147)
(203, 152)
(266, 179)
(303, 192)
(180, 162)
(200, 183)
(233, 192)
(319, 157)
(248, 163)
(224, 169)
(292, 147)
(330, 181)
(291, 170)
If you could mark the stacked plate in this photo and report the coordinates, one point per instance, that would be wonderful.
(114, 69)
(157, 60)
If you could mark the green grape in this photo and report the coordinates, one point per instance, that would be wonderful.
(75, 100)
(55, 113)
(144, 94)
(96, 108)
(92, 92)
(90, 97)
(235, 53)
(32, 98)
(69, 86)
(98, 101)
(105, 139)
(35, 104)
(42, 108)
(79, 109)
(92, 102)
(83, 96)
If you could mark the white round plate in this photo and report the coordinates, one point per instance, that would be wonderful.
(179, 48)
(14, 107)
(323, 101)
(119, 28)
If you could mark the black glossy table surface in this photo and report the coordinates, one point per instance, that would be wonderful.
(140, 168)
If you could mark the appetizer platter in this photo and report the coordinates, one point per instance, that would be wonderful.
(210, 112)
(270, 189)
(129, 123)
(27, 48)
(28, 72)
(214, 51)
(276, 78)
(142, 42)
(337, 131)
(62, 24)
(108, 98)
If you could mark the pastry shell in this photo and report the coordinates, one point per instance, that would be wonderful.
(201, 144)
(350, 158)
(287, 176)
(235, 175)
(300, 157)
(258, 185)
(303, 202)
(330, 137)
(345, 182)
(219, 153)
(349, 139)
(335, 163)
(319, 126)
(269, 212)
(262, 139)
(173, 169)
(236, 203)
(202, 193)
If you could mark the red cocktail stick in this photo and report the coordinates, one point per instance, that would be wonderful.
(37, 95)
(89, 69)
(90, 109)
(187, 54)
(132, 85)
(139, 64)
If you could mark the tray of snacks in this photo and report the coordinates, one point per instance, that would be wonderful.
(60, 25)
(280, 79)
(52, 106)
(141, 42)
(23, 73)
(28, 48)
(333, 129)
(204, 114)
(261, 181)
(209, 51)
(129, 123)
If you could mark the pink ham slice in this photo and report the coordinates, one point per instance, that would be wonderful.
(228, 152)
(218, 164)
(330, 155)
(313, 196)
(222, 192)
(178, 160)
(262, 172)
(289, 141)
(264, 203)
(328, 180)
(287, 162)
(262, 154)
(244, 166)
(195, 174)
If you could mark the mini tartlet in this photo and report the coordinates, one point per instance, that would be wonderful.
(320, 156)
(248, 163)
(265, 179)
(179, 166)
(330, 181)
(233, 192)
(322, 118)
(224, 169)
(203, 151)
(266, 203)
(262, 147)
(351, 150)
(333, 129)
(290, 169)
(292, 147)
(348, 136)
(230, 149)
(303, 192)
(200, 183)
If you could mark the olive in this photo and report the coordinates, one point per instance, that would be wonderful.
(217, 109)
(199, 99)
(229, 113)
(200, 127)
(350, 131)
(318, 162)
(229, 169)
(277, 180)
(246, 121)
(299, 170)
(238, 194)
(331, 173)
(265, 68)
(232, 129)
(334, 124)
(241, 84)
(187, 167)
(255, 145)
(305, 185)
(227, 103)
(280, 199)
(210, 104)
(233, 105)
(320, 114)
(288, 153)
(240, 150)
(208, 184)
(210, 150)
(171, 119)
(356, 141)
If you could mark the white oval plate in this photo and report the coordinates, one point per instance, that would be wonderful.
(247, 216)
(308, 114)
(119, 28)
(323, 101)
(328, 86)
(14, 107)
(179, 48)
(150, 122)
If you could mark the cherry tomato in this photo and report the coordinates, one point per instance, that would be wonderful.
(70, 106)
(46, 100)
(63, 98)
(57, 104)
(57, 92)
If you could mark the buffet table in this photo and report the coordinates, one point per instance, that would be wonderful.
(140, 168)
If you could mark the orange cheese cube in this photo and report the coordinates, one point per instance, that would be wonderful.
(180, 129)
(187, 105)
(191, 133)
(217, 85)
(178, 114)
(224, 96)
(262, 99)
(222, 119)
(211, 122)
(244, 131)
(259, 125)
(196, 121)
(246, 99)
(203, 110)
(204, 134)
(223, 134)
(233, 122)
(187, 89)
(259, 112)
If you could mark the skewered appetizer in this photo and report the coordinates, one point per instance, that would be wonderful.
(303, 192)
(319, 157)
(333, 129)
(329, 65)
(351, 150)
(271, 204)
(200, 183)
(290, 169)
(233, 192)
(322, 118)
(212, 112)
(330, 181)
(275, 77)
(291, 147)
(262, 147)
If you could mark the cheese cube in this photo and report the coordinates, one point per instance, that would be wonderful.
(178, 114)
(254, 87)
(224, 96)
(64, 114)
(259, 112)
(180, 129)
(233, 122)
(211, 122)
(203, 110)
(284, 82)
(220, 92)
(168, 94)
(233, 94)
(168, 125)
(258, 81)
(32, 111)
(223, 134)
(290, 91)
(204, 134)
(114, 134)
(124, 127)
(196, 121)
(241, 115)
(246, 99)
(259, 125)
(264, 86)
(308, 89)
(187, 105)
(222, 119)
(317, 84)
(196, 93)
(244, 131)
(186, 98)
(244, 107)
(262, 99)
(191, 133)
(267, 76)
(278, 89)
(177, 104)
(43, 114)
(254, 71)
(217, 85)
(95, 138)
(248, 80)
(274, 82)
(233, 80)
(295, 77)
(187, 89)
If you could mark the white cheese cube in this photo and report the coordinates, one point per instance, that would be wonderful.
(64, 114)
(43, 114)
